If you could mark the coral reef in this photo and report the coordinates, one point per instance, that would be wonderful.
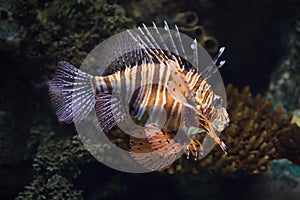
(154, 9)
(249, 135)
(287, 141)
(176, 13)
(54, 187)
(56, 166)
(284, 88)
(68, 30)
(10, 31)
(255, 137)
(282, 181)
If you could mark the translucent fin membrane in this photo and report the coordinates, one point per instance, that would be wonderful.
(160, 45)
(109, 111)
(71, 93)
(209, 70)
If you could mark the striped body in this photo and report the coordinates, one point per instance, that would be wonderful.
(145, 90)
(162, 90)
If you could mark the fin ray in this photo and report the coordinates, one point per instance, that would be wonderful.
(71, 93)
(159, 152)
(109, 111)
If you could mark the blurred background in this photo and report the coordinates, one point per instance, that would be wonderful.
(43, 159)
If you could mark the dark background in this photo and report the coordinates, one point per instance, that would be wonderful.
(256, 35)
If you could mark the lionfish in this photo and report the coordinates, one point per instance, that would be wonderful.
(162, 94)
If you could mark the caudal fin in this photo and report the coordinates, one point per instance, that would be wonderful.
(71, 92)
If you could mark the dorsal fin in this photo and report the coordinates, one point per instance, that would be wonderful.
(181, 46)
(195, 53)
(151, 44)
(173, 46)
(214, 65)
(127, 53)
(153, 41)
(161, 40)
(159, 54)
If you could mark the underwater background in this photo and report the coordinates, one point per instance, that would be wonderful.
(43, 159)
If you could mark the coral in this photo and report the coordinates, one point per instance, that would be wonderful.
(9, 28)
(286, 168)
(57, 156)
(154, 8)
(255, 137)
(248, 136)
(54, 187)
(199, 32)
(56, 165)
(296, 117)
(175, 13)
(282, 181)
(284, 91)
(68, 30)
(284, 88)
(287, 141)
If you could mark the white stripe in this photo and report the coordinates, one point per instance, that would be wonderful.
(166, 76)
(141, 95)
(118, 78)
(188, 76)
(161, 70)
(172, 113)
(151, 69)
(132, 81)
(141, 88)
(160, 75)
(98, 84)
(208, 102)
(177, 115)
(102, 82)
(127, 82)
(194, 81)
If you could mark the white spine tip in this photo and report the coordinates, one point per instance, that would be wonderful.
(222, 49)
(166, 27)
(222, 63)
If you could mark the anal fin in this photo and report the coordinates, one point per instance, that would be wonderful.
(109, 111)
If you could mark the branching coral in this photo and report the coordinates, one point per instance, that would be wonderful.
(255, 137)
(249, 135)
(287, 142)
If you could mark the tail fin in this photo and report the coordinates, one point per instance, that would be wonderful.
(71, 92)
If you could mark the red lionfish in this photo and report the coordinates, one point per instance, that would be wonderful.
(152, 80)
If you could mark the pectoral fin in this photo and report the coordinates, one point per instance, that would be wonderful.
(157, 151)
